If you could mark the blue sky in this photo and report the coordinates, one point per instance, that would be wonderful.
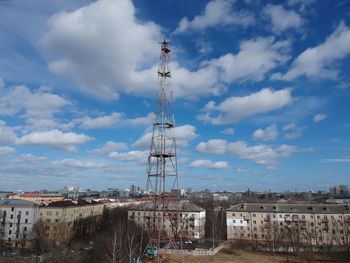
(261, 92)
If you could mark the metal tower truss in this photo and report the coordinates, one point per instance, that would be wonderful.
(162, 217)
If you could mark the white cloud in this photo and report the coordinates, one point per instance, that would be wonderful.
(6, 150)
(320, 61)
(28, 157)
(258, 154)
(7, 136)
(37, 106)
(119, 63)
(141, 120)
(216, 13)
(139, 156)
(209, 164)
(228, 131)
(54, 139)
(319, 117)
(292, 131)
(74, 41)
(110, 147)
(268, 134)
(80, 164)
(233, 109)
(282, 19)
(101, 122)
(255, 58)
(184, 134)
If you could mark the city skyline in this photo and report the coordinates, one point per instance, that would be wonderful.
(261, 93)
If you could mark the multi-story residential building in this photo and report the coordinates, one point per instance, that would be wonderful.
(314, 224)
(192, 222)
(17, 220)
(38, 197)
(63, 214)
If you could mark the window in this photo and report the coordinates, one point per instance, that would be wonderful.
(241, 221)
(254, 215)
(12, 209)
(255, 228)
(254, 222)
(234, 221)
(280, 216)
(11, 216)
(27, 213)
(26, 221)
(241, 227)
(303, 217)
(10, 224)
(10, 232)
(233, 214)
(312, 217)
(57, 213)
(25, 228)
(48, 213)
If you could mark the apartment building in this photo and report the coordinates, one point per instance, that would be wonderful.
(60, 216)
(314, 224)
(192, 218)
(17, 220)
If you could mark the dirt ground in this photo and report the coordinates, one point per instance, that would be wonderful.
(242, 256)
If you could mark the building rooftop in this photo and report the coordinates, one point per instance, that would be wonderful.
(68, 203)
(170, 206)
(291, 208)
(16, 202)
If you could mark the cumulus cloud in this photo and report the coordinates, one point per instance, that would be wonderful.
(102, 121)
(7, 136)
(139, 156)
(259, 154)
(184, 134)
(80, 164)
(268, 134)
(292, 131)
(255, 58)
(37, 106)
(216, 13)
(141, 120)
(31, 158)
(110, 147)
(228, 131)
(54, 139)
(233, 109)
(74, 41)
(320, 61)
(209, 164)
(319, 117)
(282, 19)
(6, 150)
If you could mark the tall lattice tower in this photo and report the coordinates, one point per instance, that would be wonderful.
(162, 173)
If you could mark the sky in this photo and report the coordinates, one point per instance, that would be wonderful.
(261, 88)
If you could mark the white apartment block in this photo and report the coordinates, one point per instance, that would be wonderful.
(17, 220)
(192, 218)
(314, 224)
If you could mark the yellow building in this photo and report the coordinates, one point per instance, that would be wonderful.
(62, 216)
